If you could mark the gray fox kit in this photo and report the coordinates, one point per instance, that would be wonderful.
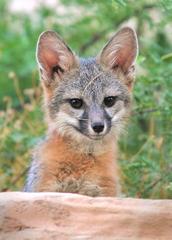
(87, 103)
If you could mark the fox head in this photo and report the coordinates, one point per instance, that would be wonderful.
(87, 98)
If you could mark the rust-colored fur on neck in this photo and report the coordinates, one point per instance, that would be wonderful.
(63, 169)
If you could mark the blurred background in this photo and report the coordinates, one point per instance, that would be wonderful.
(146, 148)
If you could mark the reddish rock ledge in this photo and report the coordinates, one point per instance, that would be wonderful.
(60, 216)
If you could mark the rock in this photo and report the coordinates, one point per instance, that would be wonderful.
(61, 216)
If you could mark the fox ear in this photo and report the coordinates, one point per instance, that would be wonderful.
(54, 57)
(121, 51)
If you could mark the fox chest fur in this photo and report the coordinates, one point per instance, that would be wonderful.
(87, 103)
(57, 167)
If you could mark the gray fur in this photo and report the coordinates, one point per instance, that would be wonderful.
(92, 80)
(91, 83)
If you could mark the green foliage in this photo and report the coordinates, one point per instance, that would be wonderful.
(146, 152)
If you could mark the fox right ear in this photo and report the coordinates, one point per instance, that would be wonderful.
(54, 57)
(121, 52)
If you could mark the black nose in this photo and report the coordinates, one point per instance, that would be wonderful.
(98, 127)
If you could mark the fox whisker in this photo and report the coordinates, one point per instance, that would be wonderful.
(83, 119)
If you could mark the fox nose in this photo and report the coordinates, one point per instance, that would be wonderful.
(98, 127)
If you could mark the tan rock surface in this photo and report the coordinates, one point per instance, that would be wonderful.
(25, 216)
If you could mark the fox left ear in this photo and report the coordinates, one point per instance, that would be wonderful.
(54, 57)
(121, 52)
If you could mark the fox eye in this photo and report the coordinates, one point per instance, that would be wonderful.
(76, 103)
(110, 101)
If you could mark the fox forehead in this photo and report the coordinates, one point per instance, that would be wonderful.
(89, 81)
